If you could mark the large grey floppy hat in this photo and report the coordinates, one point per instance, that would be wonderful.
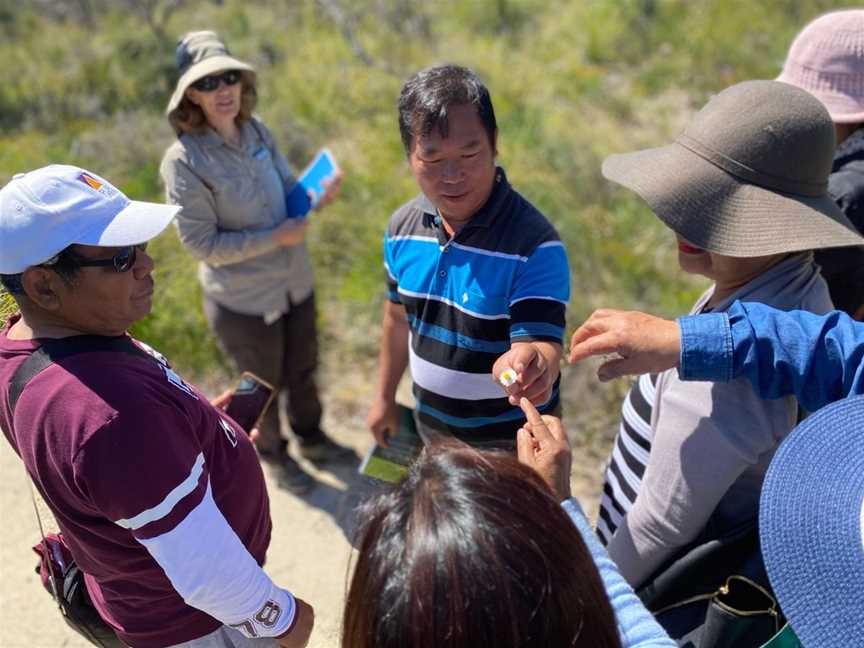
(748, 177)
(198, 54)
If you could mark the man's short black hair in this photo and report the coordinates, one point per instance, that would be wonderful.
(427, 95)
(63, 264)
(12, 283)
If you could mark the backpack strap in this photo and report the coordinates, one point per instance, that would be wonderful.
(53, 350)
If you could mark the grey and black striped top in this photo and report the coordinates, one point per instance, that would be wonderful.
(629, 456)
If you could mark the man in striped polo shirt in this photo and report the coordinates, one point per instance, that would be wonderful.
(477, 277)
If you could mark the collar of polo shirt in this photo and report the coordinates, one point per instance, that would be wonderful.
(484, 216)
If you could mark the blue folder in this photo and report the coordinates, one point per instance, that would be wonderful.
(298, 201)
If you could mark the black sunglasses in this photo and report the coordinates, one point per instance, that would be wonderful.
(123, 261)
(210, 82)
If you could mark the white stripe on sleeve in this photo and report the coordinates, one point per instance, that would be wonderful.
(540, 297)
(164, 507)
(551, 244)
(211, 569)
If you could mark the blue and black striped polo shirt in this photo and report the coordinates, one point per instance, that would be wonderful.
(503, 278)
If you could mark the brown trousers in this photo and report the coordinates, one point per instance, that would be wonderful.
(285, 354)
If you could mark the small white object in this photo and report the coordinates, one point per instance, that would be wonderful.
(508, 377)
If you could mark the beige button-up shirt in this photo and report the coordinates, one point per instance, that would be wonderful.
(232, 199)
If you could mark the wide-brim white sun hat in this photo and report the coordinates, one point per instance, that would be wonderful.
(45, 211)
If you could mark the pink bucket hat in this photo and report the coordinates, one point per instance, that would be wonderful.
(827, 60)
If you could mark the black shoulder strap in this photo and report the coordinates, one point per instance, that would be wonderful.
(54, 350)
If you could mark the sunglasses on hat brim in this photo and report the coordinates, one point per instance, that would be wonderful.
(211, 82)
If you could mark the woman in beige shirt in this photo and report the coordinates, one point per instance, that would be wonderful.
(228, 174)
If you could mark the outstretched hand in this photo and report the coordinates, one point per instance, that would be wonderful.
(642, 342)
(542, 444)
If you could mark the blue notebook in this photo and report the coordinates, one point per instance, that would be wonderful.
(298, 202)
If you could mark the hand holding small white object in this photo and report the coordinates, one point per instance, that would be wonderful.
(531, 371)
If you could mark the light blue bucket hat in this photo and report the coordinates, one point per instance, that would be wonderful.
(811, 526)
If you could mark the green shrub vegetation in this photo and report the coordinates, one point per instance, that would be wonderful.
(86, 82)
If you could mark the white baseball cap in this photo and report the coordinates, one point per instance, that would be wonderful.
(47, 210)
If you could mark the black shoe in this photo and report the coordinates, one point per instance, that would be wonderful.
(327, 451)
(293, 478)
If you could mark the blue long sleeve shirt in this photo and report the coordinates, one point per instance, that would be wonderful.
(817, 358)
(637, 627)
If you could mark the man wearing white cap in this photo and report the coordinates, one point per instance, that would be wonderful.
(158, 494)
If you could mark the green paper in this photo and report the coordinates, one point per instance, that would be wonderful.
(391, 464)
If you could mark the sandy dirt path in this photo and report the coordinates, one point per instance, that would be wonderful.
(309, 553)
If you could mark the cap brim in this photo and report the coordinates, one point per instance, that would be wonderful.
(202, 69)
(137, 223)
(810, 525)
(850, 118)
(718, 212)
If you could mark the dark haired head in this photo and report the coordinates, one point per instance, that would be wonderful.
(427, 95)
(473, 550)
(12, 284)
(63, 264)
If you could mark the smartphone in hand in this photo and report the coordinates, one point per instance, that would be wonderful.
(250, 400)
